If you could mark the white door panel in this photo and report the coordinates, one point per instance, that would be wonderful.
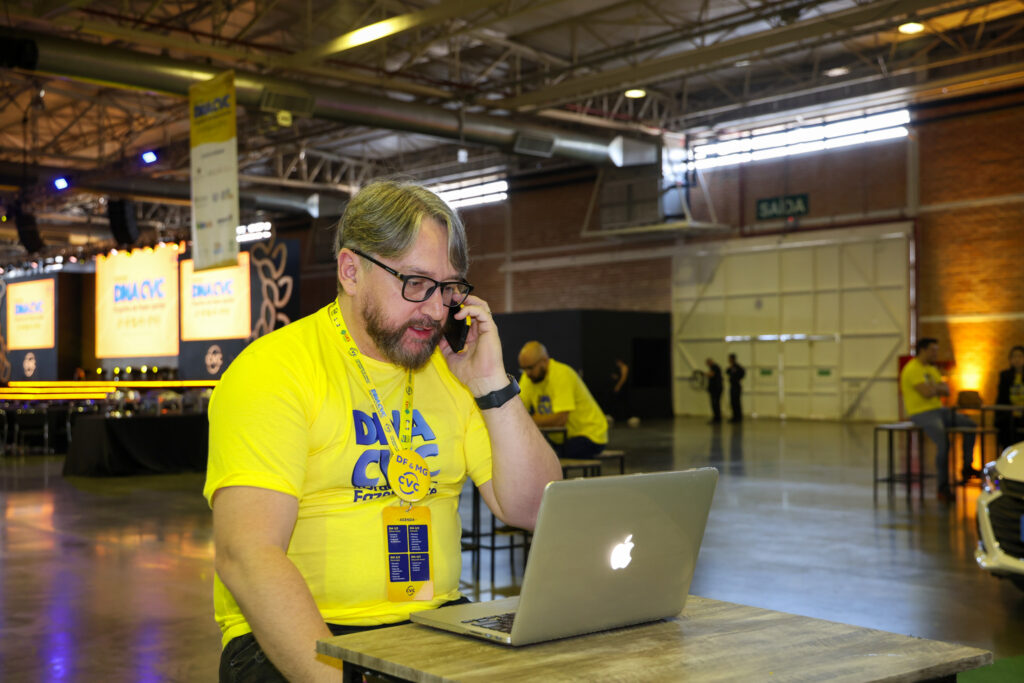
(817, 319)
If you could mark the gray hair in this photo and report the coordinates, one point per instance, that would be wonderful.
(384, 219)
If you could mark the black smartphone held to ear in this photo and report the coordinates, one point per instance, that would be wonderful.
(455, 330)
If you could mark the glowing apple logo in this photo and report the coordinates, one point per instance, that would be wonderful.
(621, 553)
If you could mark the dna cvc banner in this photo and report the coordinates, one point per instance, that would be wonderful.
(137, 303)
(215, 304)
(30, 314)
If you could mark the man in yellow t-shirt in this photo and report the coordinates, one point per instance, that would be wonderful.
(922, 388)
(557, 397)
(322, 432)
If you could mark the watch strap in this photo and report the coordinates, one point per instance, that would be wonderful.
(499, 397)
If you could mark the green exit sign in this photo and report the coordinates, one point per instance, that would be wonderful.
(782, 207)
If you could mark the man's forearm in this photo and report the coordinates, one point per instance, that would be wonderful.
(280, 609)
(551, 420)
(523, 463)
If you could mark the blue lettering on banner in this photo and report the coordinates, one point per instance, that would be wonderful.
(218, 288)
(214, 105)
(29, 307)
(142, 290)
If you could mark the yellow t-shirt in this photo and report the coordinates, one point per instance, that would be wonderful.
(291, 414)
(915, 372)
(562, 390)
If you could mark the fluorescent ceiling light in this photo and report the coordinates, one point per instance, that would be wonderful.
(910, 28)
(837, 71)
(635, 93)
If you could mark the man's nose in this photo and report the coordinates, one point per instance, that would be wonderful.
(434, 305)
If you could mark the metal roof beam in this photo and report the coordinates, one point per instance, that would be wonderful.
(659, 69)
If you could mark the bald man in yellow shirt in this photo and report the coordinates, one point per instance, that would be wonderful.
(557, 397)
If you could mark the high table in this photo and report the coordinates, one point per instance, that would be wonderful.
(709, 641)
(112, 446)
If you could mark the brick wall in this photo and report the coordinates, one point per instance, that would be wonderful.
(970, 253)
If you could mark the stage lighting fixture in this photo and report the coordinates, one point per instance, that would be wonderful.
(61, 183)
(149, 157)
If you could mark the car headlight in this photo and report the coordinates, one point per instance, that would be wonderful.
(991, 480)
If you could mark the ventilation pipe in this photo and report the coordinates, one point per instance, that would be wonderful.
(126, 68)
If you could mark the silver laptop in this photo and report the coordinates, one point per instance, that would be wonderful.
(607, 552)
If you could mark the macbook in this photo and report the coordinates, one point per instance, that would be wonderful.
(607, 552)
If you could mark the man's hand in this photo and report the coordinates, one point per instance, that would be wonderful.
(479, 365)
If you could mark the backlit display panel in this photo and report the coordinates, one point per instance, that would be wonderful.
(215, 303)
(30, 317)
(137, 303)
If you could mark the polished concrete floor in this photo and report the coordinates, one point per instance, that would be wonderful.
(110, 579)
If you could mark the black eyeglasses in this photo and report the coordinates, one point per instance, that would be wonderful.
(417, 288)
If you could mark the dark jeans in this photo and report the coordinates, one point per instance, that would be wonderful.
(934, 423)
(735, 403)
(716, 405)
(580, 447)
(243, 660)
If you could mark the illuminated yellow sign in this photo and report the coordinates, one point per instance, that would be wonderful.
(137, 303)
(30, 315)
(215, 303)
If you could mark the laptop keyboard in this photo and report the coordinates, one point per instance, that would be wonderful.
(498, 622)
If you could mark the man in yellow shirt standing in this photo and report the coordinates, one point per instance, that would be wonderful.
(922, 388)
(339, 445)
(557, 397)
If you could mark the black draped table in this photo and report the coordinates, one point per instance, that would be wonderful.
(112, 446)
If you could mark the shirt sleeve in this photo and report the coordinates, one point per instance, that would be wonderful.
(259, 428)
(478, 449)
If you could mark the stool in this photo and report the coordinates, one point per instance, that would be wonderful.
(588, 467)
(908, 477)
(620, 456)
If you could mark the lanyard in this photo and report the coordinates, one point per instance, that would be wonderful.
(396, 442)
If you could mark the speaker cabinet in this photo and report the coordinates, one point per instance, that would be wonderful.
(28, 232)
(123, 225)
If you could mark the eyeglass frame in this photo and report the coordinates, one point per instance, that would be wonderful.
(405, 280)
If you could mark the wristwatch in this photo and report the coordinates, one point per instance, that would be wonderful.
(499, 397)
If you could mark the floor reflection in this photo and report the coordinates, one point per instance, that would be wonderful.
(101, 566)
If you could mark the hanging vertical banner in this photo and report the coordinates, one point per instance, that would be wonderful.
(214, 158)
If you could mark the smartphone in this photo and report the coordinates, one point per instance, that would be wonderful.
(455, 331)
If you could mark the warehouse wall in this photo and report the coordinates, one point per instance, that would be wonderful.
(970, 234)
(965, 191)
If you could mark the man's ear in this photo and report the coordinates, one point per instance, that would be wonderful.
(349, 271)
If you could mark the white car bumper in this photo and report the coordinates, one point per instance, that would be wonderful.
(1001, 529)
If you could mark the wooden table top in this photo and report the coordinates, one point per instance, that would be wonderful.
(709, 641)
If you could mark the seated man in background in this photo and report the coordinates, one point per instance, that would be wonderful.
(922, 388)
(1011, 392)
(557, 397)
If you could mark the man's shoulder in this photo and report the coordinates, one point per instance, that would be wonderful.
(292, 343)
(914, 368)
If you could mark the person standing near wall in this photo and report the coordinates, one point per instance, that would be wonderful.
(1011, 392)
(736, 374)
(714, 375)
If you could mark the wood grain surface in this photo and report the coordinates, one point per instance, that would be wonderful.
(709, 641)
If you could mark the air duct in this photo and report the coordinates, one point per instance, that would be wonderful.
(126, 68)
